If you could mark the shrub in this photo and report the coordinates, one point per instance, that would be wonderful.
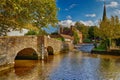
(87, 40)
(31, 32)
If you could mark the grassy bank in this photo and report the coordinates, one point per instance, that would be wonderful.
(100, 47)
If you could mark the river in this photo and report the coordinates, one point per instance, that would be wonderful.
(75, 65)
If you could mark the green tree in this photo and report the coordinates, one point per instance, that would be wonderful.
(33, 32)
(76, 36)
(91, 32)
(96, 31)
(16, 14)
(82, 28)
(109, 29)
(116, 27)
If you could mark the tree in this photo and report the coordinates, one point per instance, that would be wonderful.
(82, 28)
(109, 29)
(96, 31)
(91, 34)
(33, 32)
(116, 27)
(16, 14)
(76, 36)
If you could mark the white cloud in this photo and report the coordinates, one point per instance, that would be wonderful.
(17, 33)
(66, 23)
(101, 0)
(90, 15)
(96, 22)
(66, 9)
(113, 4)
(117, 12)
(69, 17)
(87, 23)
(71, 6)
(107, 0)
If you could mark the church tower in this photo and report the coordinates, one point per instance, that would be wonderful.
(104, 13)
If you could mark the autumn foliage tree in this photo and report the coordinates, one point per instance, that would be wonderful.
(29, 14)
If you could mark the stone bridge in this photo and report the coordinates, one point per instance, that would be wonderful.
(11, 46)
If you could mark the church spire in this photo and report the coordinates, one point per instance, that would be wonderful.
(104, 12)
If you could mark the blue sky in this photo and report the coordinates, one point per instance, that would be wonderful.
(78, 9)
(88, 12)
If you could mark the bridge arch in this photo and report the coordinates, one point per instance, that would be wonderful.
(50, 50)
(15, 51)
(24, 48)
(27, 53)
(10, 46)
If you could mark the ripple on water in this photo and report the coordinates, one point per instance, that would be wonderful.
(70, 66)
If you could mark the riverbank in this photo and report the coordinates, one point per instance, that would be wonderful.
(6, 67)
(105, 52)
(89, 48)
(102, 49)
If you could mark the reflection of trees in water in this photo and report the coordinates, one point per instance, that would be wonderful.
(22, 67)
(32, 70)
(109, 69)
(78, 65)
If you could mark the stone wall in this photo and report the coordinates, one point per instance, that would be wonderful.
(57, 45)
(10, 46)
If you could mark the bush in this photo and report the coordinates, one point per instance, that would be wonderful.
(31, 32)
(61, 39)
(87, 41)
(101, 47)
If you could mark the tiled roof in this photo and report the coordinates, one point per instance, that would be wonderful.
(67, 36)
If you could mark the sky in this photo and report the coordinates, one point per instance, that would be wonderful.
(88, 12)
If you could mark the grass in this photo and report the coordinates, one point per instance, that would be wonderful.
(100, 47)
(87, 41)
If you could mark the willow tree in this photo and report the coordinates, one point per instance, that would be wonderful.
(18, 14)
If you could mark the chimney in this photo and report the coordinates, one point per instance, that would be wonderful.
(61, 30)
(71, 27)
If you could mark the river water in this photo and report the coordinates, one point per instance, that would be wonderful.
(75, 65)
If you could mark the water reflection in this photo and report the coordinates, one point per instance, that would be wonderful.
(70, 66)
